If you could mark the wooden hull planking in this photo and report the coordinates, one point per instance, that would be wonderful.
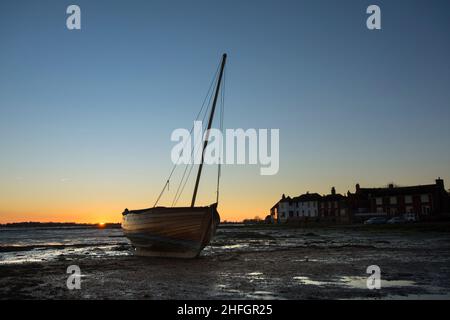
(170, 232)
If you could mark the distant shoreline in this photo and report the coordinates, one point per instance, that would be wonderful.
(33, 224)
(58, 225)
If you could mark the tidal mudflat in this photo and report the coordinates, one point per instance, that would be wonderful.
(242, 263)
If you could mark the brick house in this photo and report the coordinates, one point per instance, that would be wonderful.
(333, 207)
(427, 202)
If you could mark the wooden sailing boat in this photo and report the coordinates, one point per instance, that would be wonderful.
(180, 232)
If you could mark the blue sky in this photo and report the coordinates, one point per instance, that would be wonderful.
(93, 109)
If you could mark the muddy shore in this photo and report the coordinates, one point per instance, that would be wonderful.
(321, 266)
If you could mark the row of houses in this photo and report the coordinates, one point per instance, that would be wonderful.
(426, 202)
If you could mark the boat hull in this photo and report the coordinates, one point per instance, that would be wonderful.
(170, 232)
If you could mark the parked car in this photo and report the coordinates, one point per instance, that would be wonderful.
(397, 220)
(410, 217)
(376, 220)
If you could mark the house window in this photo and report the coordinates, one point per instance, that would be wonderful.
(393, 200)
(408, 199)
(380, 210)
(424, 198)
(426, 210)
(379, 201)
(409, 209)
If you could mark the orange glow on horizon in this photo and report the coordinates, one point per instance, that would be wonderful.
(113, 214)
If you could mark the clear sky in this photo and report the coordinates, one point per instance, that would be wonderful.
(86, 116)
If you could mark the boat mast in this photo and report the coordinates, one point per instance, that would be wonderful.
(224, 58)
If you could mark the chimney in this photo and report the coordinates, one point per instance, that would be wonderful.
(283, 196)
(357, 187)
(440, 183)
(333, 190)
(391, 186)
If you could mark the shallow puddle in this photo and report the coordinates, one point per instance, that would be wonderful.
(353, 282)
(309, 281)
(361, 282)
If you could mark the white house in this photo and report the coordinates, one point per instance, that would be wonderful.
(307, 205)
(283, 209)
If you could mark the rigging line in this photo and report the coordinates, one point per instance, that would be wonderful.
(160, 195)
(181, 181)
(198, 114)
(195, 151)
(184, 185)
(187, 179)
(221, 125)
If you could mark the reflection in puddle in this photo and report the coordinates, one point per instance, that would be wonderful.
(308, 281)
(353, 282)
(234, 246)
(252, 276)
(47, 254)
(309, 260)
(262, 295)
(361, 282)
